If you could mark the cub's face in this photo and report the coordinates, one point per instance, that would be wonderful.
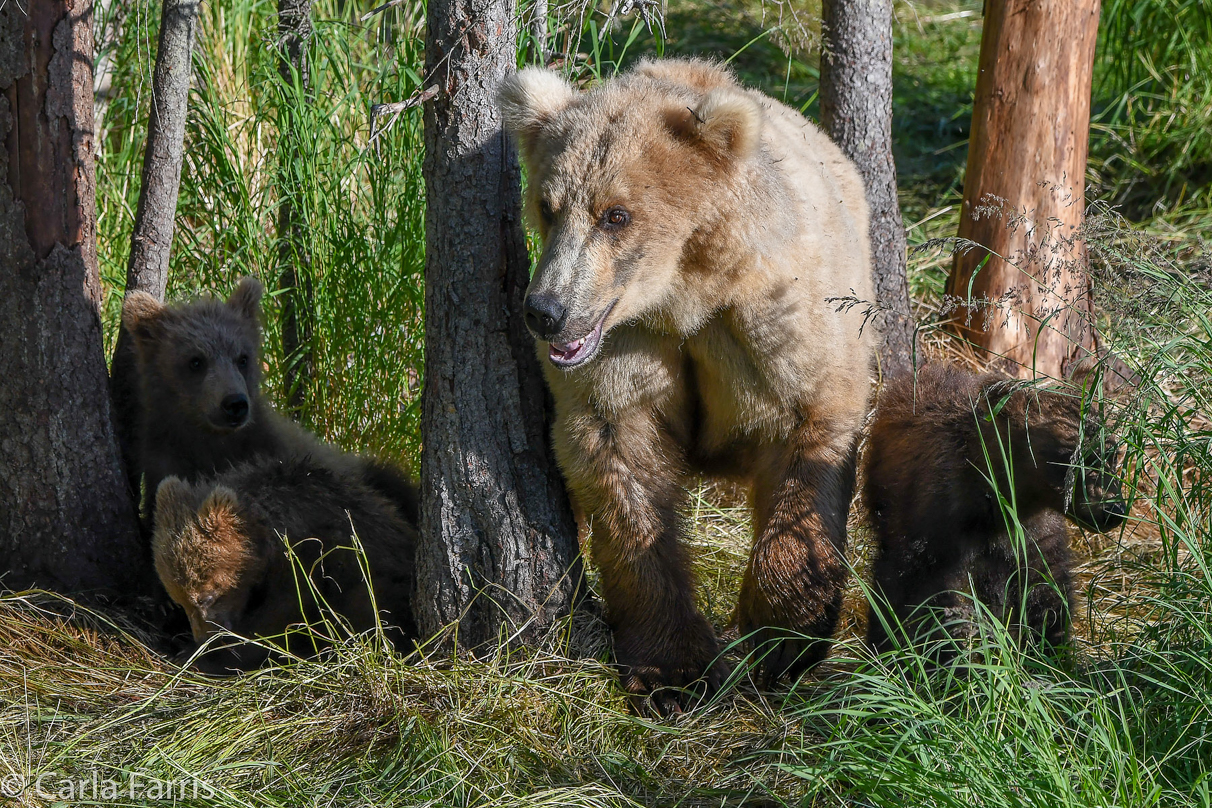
(1098, 497)
(620, 179)
(1082, 461)
(203, 357)
(206, 558)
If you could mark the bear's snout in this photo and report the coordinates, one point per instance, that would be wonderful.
(235, 409)
(545, 316)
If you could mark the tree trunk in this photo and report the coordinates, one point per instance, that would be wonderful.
(538, 32)
(498, 548)
(856, 110)
(66, 522)
(152, 239)
(1024, 188)
(294, 30)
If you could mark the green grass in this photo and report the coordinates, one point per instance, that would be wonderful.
(1126, 721)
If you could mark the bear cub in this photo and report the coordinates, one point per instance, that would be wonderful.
(221, 550)
(943, 448)
(200, 393)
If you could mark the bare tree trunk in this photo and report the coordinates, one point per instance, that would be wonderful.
(66, 522)
(498, 539)
(1024, 187)
(294, 29)
(856, 110)
(152, 239)
(538, 31)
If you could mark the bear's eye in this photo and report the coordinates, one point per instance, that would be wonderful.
(545, 211)
(197, 363)
(615, 218)
(206, 601)
(242, 362)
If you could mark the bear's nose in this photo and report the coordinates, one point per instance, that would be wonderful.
(544, 316)
(235, 407)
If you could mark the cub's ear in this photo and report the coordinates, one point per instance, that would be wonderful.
(142, 315)
(246, 298)
(528, 100)
(175, 507)
(219, 517)
(727, 123)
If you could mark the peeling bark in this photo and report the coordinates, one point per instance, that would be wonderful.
(66, 522)
(1024, 188)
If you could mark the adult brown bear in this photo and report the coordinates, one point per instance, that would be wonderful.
(697, 236)
(968, 480)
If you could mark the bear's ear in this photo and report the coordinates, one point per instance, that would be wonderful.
(142, 315)
(727, 123)
(219, 517)
(246, 298)
(175, 507)
(528, 100)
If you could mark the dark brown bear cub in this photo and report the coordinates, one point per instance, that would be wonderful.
(200, 387)
(951, 455)
(221, 551)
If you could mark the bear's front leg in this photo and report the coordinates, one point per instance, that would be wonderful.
(628, 475)
(791, 596)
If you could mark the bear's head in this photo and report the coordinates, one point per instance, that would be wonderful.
(622, 179)
(1066, 457)
(199, 361)
(210, 562)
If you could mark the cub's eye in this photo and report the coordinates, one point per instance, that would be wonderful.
(615, 218)
(242, 362)
(197, 363)
(546, 212)
(206, 601)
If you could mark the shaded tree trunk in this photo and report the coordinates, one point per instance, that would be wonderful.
(66, 522)
(856, 111)
(1024, 188)
(294, 259)
(152, 238)
(498, 542)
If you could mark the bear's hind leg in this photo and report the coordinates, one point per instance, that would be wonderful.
(797, 568)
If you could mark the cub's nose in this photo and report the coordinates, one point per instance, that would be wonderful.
(1116, 509)
(544, 316)
(235, 407)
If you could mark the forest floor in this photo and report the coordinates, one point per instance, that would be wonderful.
(89, 704)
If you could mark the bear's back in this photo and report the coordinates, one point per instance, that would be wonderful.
(319, 511)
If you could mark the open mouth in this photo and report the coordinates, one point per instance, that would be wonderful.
(577, 352)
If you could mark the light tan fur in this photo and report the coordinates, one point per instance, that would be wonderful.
(721, 350)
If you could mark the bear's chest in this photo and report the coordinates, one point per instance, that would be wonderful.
(741, 390)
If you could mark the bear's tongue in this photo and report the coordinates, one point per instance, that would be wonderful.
(567, 351)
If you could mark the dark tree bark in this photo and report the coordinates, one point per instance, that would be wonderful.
(152, 239)
(856, 111)
(1024, 188)
(66, 522)
(294, 259)
(498, 542)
